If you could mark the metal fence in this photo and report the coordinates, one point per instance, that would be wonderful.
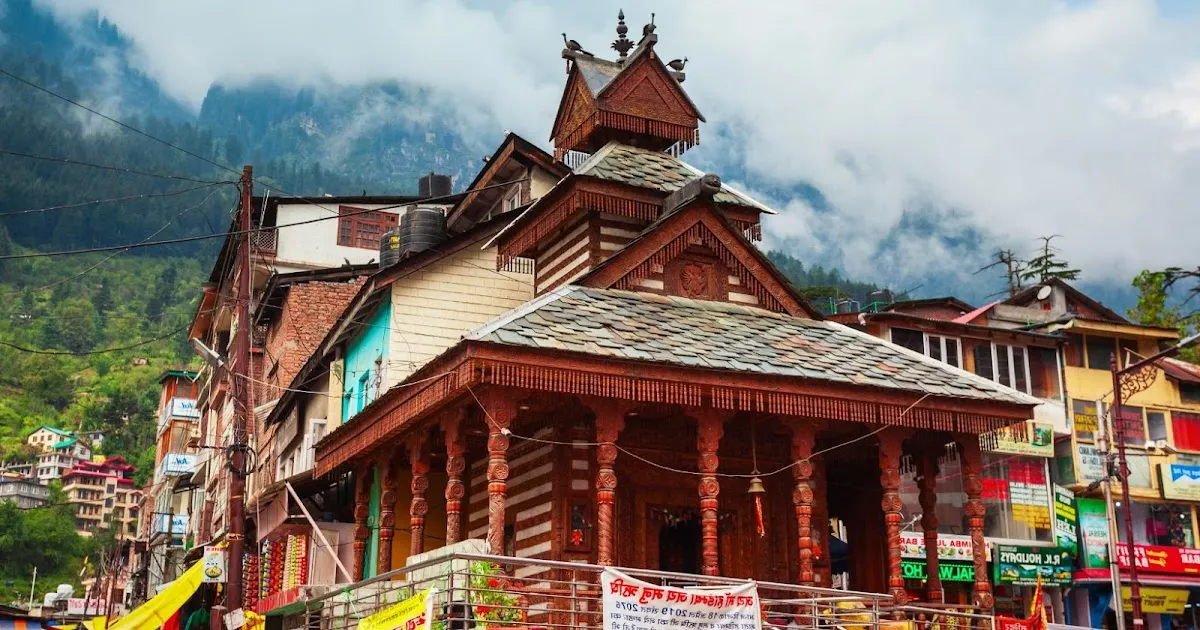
(484, 592)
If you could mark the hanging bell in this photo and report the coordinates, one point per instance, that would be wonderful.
(756, 486)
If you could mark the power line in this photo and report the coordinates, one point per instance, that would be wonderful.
(118, 253)
(203, 237)
(105, 167)
(139, 344)
(110, 200)
(113, 120)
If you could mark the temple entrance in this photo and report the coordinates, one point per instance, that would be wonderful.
(854, 502)
(679, 546)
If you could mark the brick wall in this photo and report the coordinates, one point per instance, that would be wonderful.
(307, 314)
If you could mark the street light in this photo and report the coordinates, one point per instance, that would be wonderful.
(1127, 382)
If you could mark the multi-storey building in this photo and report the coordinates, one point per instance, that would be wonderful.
(59, 450)
(302, 276)
(25, 492)
(1018, 492)
(104, 496)
(1159, 422)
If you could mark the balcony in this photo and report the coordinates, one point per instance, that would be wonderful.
(545, 594)
(178, 524)
(175, 465)
(178, 408)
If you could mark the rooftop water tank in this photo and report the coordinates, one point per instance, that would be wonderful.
(434, 185)
(421, 229)
(389, 248)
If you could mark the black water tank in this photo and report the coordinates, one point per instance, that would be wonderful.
(434, 185)
(421, 229)
(389, 248)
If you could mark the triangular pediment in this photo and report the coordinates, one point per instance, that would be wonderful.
(647, 89)
(576, 104)
(690, 243)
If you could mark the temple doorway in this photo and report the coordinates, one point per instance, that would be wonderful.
(679, 546)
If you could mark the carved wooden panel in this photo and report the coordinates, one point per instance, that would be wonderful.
(646, 90)
(577, 105)
(696, 276)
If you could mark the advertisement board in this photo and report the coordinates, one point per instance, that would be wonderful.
(1179, 481)
(1163, 601)
(178, 524)
(1159, 559)
(1021, 565)
(950, 547)
(1093, 526)
(1038, 441)
(631, 604)
(179, 463)
(949, 571)
(184, 408)
(214, 566)
(1066, 521)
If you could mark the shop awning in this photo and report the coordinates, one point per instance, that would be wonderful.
(154, 613)
(1101, 577)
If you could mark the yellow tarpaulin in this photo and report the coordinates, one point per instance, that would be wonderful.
(154, 613)
(410, 614)
(1169, 601)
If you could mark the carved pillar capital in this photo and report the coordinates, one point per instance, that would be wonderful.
(501, 412)
(972, 470)
(610, 419)
(804, 439)
(456, 465)
(891, 444)
(362, 510)
(418, 462)
(710, 429)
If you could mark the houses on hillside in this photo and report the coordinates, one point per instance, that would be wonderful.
(584, 358)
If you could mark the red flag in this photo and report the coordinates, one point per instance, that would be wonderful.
(1037, 608)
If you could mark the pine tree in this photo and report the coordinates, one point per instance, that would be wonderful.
(1047, 265)
(1013, 269)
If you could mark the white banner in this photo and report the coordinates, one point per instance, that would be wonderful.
(631, 604)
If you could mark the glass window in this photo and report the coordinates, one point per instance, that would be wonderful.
(983, 361)
(1186, 427)
(1003, 373)
(1085, 419)
(1156, 425)
(1099, 352)
(1044, 373)
(1020, 376)
(1165, 524)
(952, 352)
(912, 339)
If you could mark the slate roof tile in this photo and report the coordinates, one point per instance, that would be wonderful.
(673, 330)
(654, 170)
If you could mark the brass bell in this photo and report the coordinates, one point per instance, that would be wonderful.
(756, 486)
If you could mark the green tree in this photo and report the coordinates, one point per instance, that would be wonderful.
(1156, 305)
(1047, 265)
(78, 324)
(47, 378)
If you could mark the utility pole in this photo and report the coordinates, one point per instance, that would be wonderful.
(242, 404)
(1135, 592)
(1114, 571)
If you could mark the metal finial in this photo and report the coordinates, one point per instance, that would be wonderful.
(623, 44)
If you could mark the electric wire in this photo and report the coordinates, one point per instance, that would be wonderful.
(144, 342)
(204, 237)
(82, 204)
(106, 167)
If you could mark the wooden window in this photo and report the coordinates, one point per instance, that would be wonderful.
(1100, 351)
(1186, 429)
(360, 228)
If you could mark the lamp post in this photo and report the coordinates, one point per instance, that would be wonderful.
(1134, 378)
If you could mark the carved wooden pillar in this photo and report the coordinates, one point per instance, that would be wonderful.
(610, 419)
(929, 523)
(389, 468)
(418, 461)
(501, 410)
(804, 437)
(891, 444)
(822, 563)
(362, 509)
(708, 439)
(456, 464)
(972, 467)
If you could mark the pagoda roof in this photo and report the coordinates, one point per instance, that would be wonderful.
(597, 73)
(694, 333)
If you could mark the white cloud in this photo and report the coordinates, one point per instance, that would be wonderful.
(1027, 118)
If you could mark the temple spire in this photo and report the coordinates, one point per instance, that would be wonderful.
(623, 44)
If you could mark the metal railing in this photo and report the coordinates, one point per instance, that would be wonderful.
(549, 595)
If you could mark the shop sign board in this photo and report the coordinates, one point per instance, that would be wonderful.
(1093, 527)
(949, 571)
(950, 547)
(1021, 565)
(1066, 520)
(1162, 601)
(1038, 441)
(1180, 481)
(1160, 559)
(214, 566)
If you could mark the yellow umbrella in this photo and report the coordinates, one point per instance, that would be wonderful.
(154, 613)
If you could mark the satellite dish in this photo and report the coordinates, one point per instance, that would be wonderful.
(1043, 292)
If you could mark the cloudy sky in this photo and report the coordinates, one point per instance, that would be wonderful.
(1015, 118)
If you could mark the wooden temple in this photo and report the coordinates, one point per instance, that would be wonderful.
(667, 400)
